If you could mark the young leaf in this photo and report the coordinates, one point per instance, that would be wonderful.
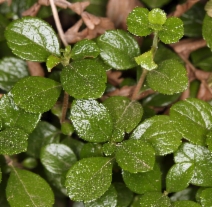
(170, 77)
(205, 197)
(135, 156)
(25, 188)
(91, 120)
(206, 30)
(91, 150)
(83, 49)
(32, 39)
(118, 49)
(57, 158)
(126, 115)
(13, 116)
(160, 132)
(84, 79)
(143, 182)
(89, 178)
(108, 199)
(11, 70)
(13, 141)
(193, 119)
(36, 94)
(185, 204)
(138, 23)
(172, 31)
(51, 62)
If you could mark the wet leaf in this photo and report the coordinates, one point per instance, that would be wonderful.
(89, 178)
(83, 49)
(205, 197)
(135, 156)
(206, 30)
(155, 3)
(91, 150)
(160, 132)
(13, 141)
(138, 23)
(84, 79)
(91, 120)
(118, 49)
(20, 192)
(193, 119)
(143, 182)
(170, 77)
(108, 199)
(185, 204)
(172, 31)
(13, 116)
(125, 114)
(36, 94)
(32, 39)
(11, 70)
(109, 148)
(57, 158)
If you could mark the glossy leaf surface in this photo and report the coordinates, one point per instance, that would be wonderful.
(206, 30)
(84, 79)
(135, 156)
(118, 49)
(91, 150)
(170, 77)
(91, 120)
(193, 119)
(51, 62)
(205, 197)
(89, 178)
(25, 188)
(11, 70)
(185, 204)
(156, 17)
(32, 39)
(36, 94)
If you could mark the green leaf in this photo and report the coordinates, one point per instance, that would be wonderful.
(118, 49)
(3, 24)
(67, 128)
(143, 182)
(13, 141)
(11, 70)
(83, 49)
(89, 178)
(185, 204)
(179, 177)
(206, 30)
(51, 62)
(155, 199)
(25, 188)
(84, 79)
(91, 120)
(205, 197)
(108, 199)
(200, 158)
(91, 150)
(172, 31)
(155, 3)
(138, 23)
(192, 118)
(32, 39)
(136, 201)
(109, 148)
(160, 132)
(29, 163)
(57, 158)
(135, 156)
(36, 94)
(170, 77)
(43, 134)
(13, 116)
(125, 114)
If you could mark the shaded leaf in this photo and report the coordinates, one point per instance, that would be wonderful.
(91, 150)
(205, 197)
(89, 178)
(32, 39)
(0, 175)
(36, 94)
(185, 204)
(155, 3)
(206, 30)
(3, 24)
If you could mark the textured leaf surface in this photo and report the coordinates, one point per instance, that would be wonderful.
(185, 204)
(32, 39)
(25, 188)
(206, 30)
(91, 150)
(11, 70)
(84, 79)
(205, 197)
(36, 94)
(170, 77)
(13, 116)
(57, 158)
(51, 62)
(156, 17)
(83, 49)
(135, 156)
(118, 49)
(193, 119)
(160, 132)
(125, 114)
(89, 178)
(172, 31)
(143, 182)
(13, 141)
(91, 120)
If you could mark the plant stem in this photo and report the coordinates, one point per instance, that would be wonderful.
(64, 107)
